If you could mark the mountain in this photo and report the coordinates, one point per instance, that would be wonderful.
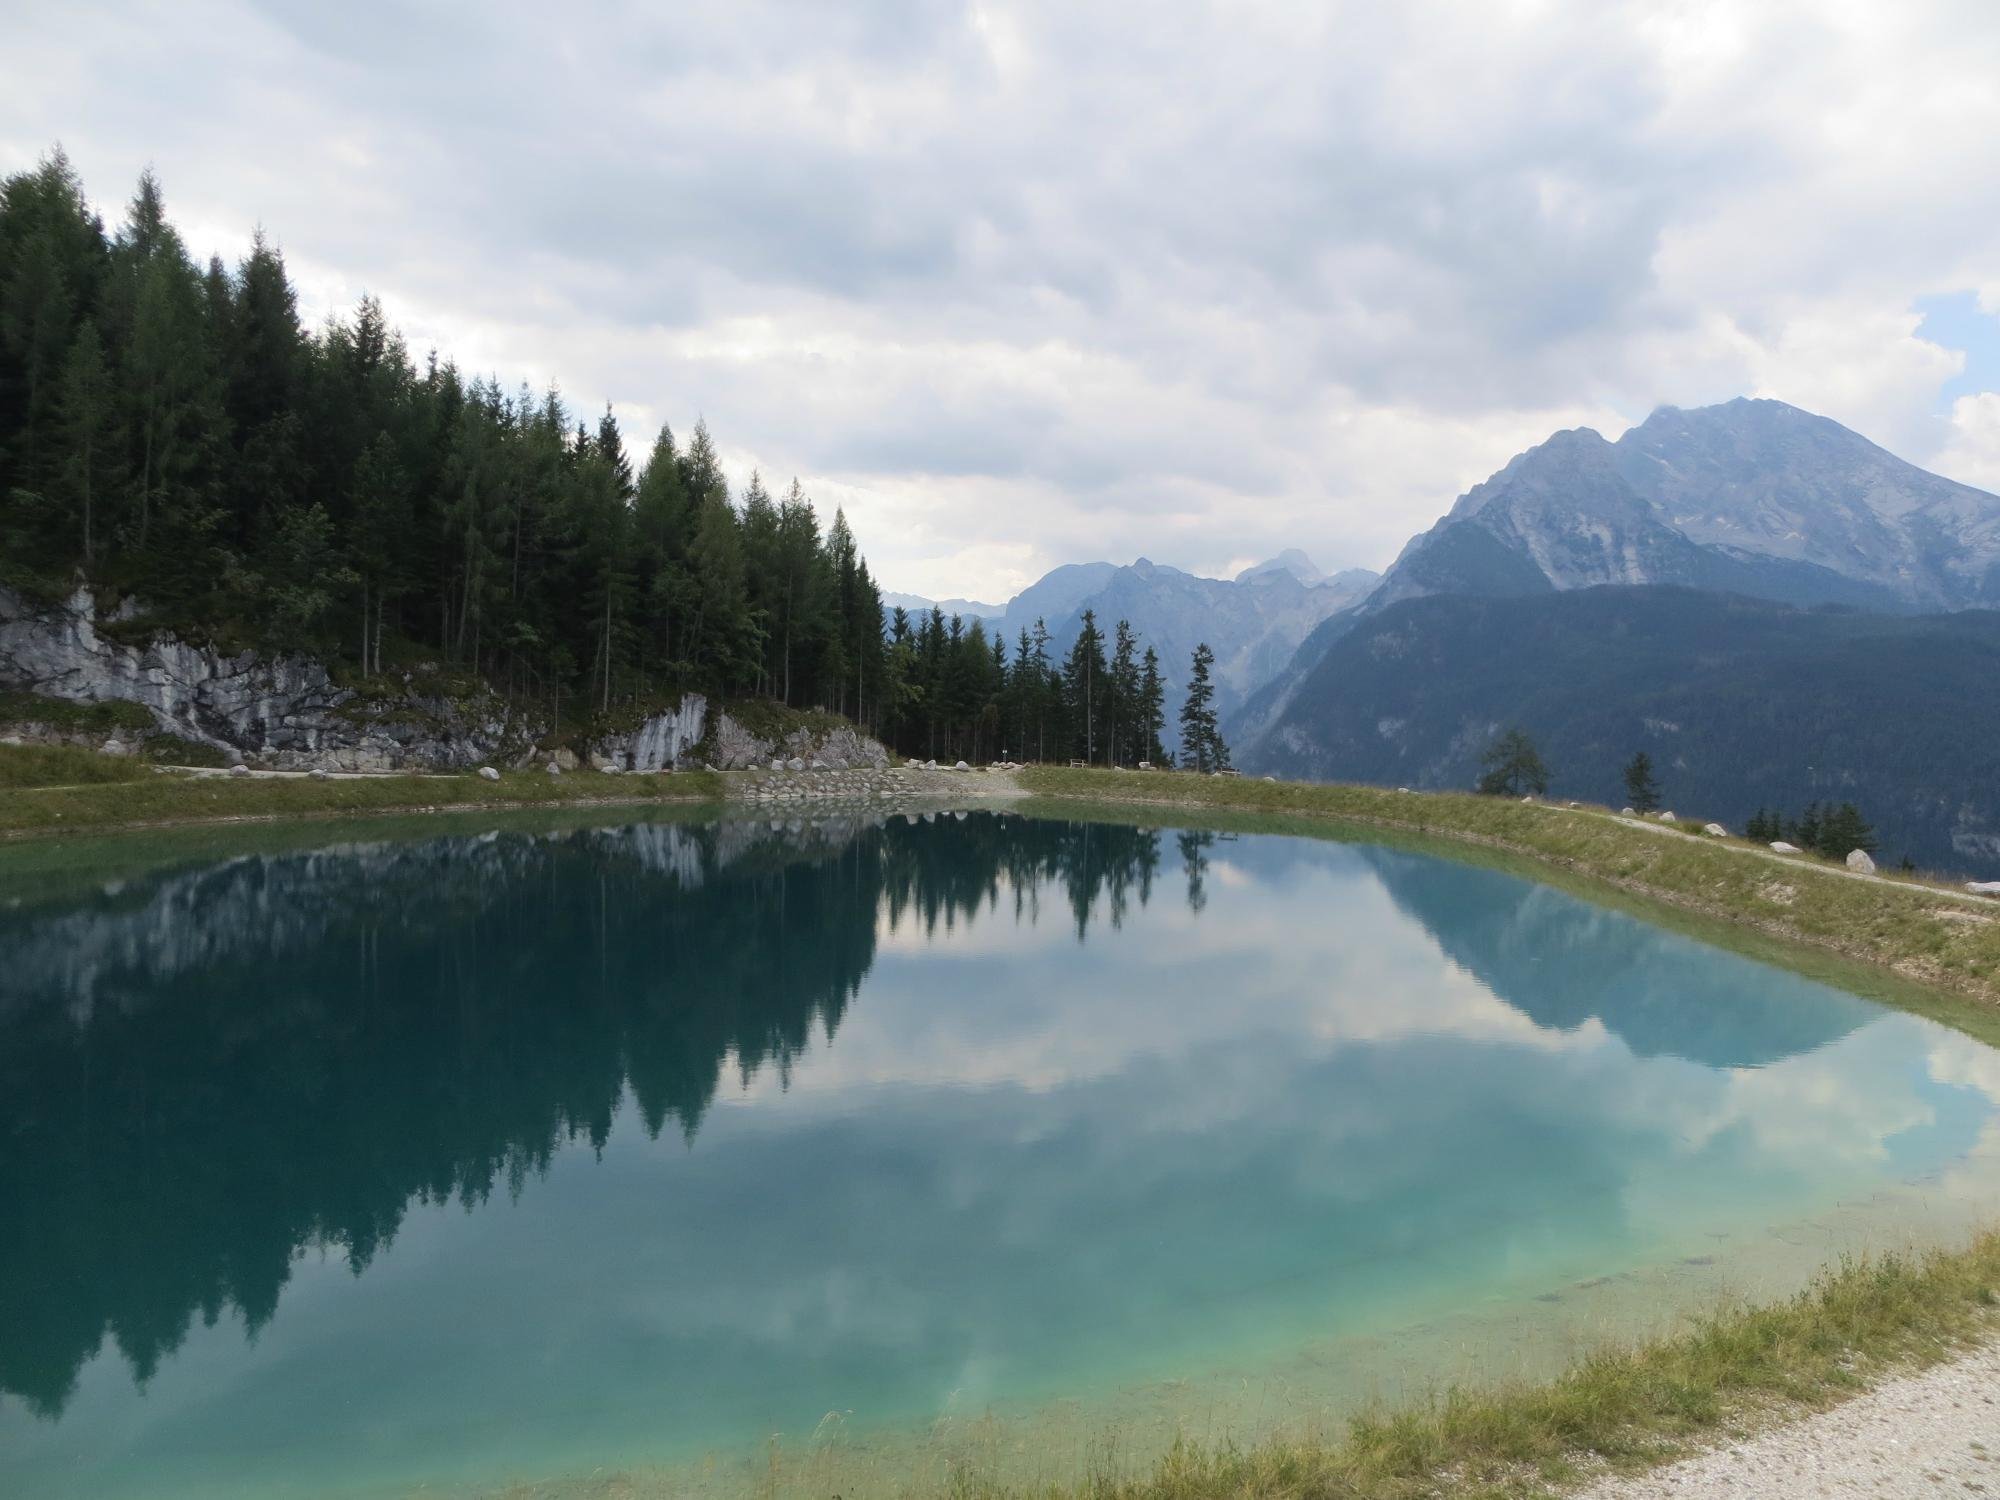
(917, 604)
(1291, 561)
(1740, 702)
(1749, 497)
(1253, 623)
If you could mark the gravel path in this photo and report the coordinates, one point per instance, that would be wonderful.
(1926, 1435)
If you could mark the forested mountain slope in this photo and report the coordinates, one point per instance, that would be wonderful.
(1740, 702)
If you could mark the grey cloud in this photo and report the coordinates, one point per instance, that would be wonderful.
(1085, 252)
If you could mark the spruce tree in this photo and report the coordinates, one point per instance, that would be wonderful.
(1642, 792)
(1202, 747)
(1513, 767)
(1085, 688)
(1152, 708)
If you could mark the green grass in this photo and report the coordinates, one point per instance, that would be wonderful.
(1918, 930)
(1618, 1408)
(74, 718)
(37, 766)
(146, 798)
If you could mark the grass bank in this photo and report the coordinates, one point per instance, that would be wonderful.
(146, 799)
(1617, 1409)
(1923, 932)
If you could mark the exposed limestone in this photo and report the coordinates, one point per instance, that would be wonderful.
(284, 711)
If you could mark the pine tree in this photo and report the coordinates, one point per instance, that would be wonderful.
(1202, 747)
(1085, 686)
(1807, 829)
(1513, 767)
(1642, 792)
(1152, 708)
(1843, 830)
(88, 407)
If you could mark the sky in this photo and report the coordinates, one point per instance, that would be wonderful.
(1026, 282)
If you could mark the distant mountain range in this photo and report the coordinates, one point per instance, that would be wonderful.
(1772, 606)
(1254, 622)
(1749, 497)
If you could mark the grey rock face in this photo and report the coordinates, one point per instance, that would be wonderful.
(284, 709)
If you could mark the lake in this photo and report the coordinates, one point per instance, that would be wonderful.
(711, 1150)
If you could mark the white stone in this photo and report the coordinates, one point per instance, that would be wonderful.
(1857, 859)
(113, 747)
(1627, 812)
(1402, 789)
(554, 769)
(795, 764)
(1784, 848)
(1983, 887)
(930, 765)
(1715, 830)
(1527, 799)
(487, 773)
(239, 770)
(319, 775)
(961, 766)
(1667, 817)
(777, 765)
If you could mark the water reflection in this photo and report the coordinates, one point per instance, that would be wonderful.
(921, 1113)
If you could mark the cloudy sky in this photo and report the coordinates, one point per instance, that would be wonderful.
(1027, 283)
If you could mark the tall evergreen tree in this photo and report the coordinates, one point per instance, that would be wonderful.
(1642, 792)
(1202, 747)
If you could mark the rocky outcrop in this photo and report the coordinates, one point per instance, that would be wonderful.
(289, 713)
(685, 737)
(285, 710)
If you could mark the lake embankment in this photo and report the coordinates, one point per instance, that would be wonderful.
(1922, 931)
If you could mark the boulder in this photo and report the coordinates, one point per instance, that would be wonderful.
(1402, 789)
(1667, 817)
(554, 769)
(239, 770)
(566, 759)
(113, 747)
(961, 766)
(1627, 812)
(1784, 848)
(777, 765)
(1527, 799)
(487, 773)
(1983, 887)
(795, 764)
(1858, 860)
(930, 765)
(319, 775)
(1715, 830)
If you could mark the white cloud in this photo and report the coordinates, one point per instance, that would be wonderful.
(1023, 282)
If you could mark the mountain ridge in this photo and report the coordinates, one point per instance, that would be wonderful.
(1752, 497)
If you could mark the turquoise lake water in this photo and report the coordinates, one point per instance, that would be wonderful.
(692, 1150)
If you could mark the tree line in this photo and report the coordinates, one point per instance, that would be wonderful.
(172, 435)
(1513, 766)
